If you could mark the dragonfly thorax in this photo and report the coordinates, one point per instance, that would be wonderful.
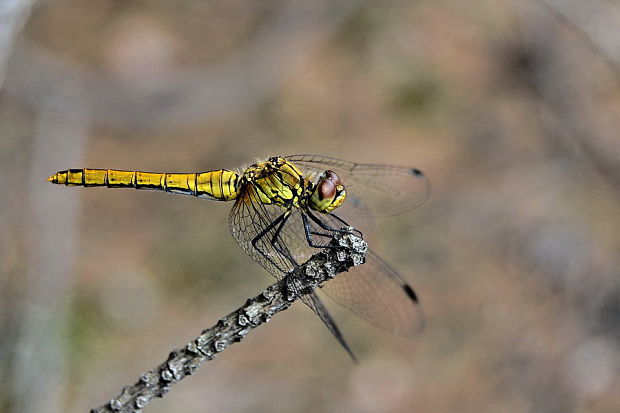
(276, 181)
(279, 181)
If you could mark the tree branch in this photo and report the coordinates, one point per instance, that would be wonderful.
(347, 251)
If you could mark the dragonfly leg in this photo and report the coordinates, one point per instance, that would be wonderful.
(326, 227)
(279, 223)
(280, 248)
(279, 229)
(344, 223)
(309, 233)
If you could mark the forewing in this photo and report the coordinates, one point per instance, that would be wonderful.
(378, 294)
(371, 188)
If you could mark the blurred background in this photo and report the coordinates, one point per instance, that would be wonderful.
(511, 108)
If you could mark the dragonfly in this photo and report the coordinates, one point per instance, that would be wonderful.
(288, 208)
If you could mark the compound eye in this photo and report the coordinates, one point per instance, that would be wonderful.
(326, 189)
(333, 176)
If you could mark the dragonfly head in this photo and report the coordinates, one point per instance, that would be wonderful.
(329, 193)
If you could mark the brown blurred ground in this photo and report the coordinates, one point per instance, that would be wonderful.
(512, 111)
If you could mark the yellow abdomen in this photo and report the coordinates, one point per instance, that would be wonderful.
(220, 185)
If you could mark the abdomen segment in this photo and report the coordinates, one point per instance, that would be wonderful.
(219, 185)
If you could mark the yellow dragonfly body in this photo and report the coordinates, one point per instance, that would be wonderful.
(288, 207)
(276, 181)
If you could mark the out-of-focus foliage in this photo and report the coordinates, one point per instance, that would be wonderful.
(510, 108)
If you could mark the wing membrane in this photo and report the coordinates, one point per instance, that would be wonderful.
(281, 247)
(378, 294)
(380, 190)
(276, 238)
(248, 219)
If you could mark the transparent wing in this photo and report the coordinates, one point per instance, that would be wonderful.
(275, 238)
(378, 294)
(378, 190)
(313, 301)
(374, 291)
(254, 225)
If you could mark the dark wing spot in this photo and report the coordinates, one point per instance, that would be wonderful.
(417, 172)
(409, 291)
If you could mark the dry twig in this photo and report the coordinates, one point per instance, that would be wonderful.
(348, 250)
